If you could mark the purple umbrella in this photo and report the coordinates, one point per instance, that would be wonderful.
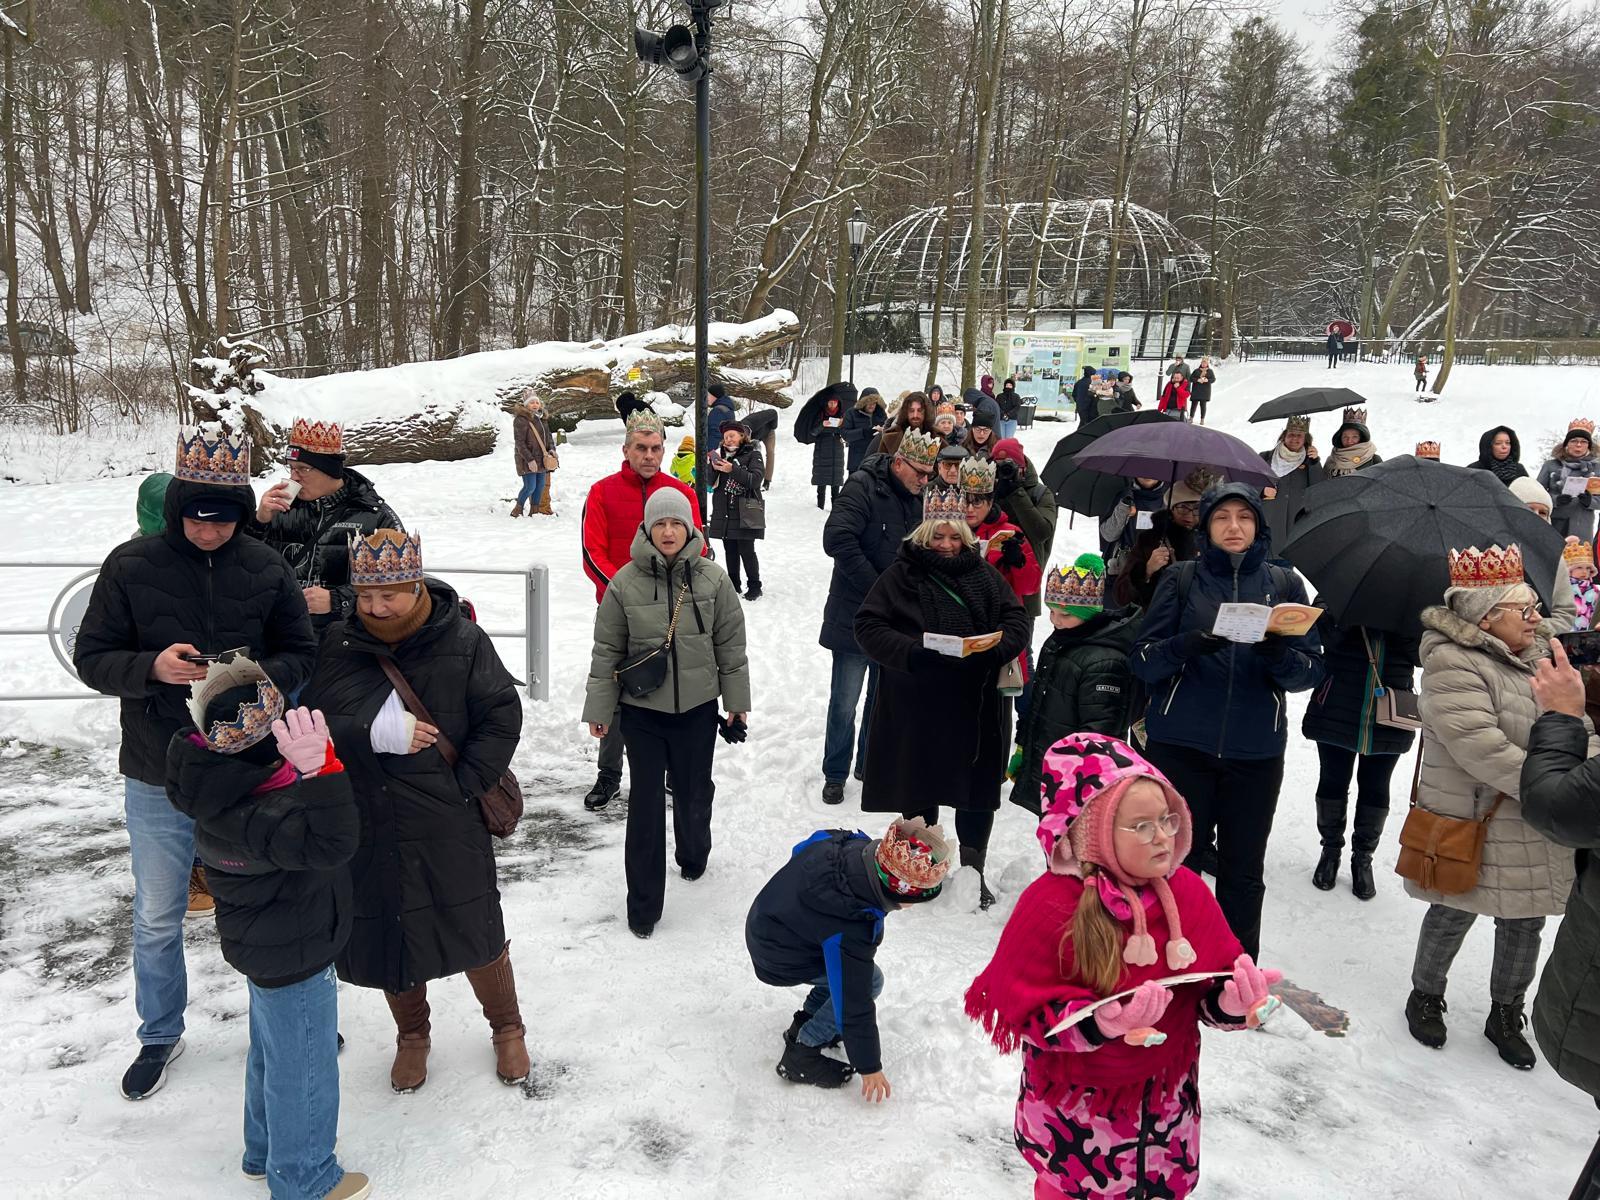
(1171, 450)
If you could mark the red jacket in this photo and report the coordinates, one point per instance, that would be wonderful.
(1024, 580)
(612, 514)
(1175, 396)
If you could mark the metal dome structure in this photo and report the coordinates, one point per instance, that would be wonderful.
(1161, 282)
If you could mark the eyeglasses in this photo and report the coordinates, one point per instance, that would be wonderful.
(1187, 506)
(1145, 831)
(1527, 614)
(925, 472)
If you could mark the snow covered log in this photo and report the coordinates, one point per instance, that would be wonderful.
(450, 409)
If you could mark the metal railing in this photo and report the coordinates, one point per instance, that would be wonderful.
(535, 631)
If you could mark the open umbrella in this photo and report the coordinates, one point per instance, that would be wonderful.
(1308, 400)
(1171, 451)
(1375, 544)
(807, 425)
(1083, 489)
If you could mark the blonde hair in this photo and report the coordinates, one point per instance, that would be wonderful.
(922, 535)
(1096, 940)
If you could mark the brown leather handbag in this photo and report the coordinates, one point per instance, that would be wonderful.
(501, 804)
(1442, 854)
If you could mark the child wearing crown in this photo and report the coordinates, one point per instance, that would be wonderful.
(1110, 1106)
(1567, 477)
(1579, 557)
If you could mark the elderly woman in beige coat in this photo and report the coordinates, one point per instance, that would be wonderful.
(1478, 653)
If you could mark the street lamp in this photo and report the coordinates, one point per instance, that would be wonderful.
(856, 227)
(1169, 268)
(687, 50)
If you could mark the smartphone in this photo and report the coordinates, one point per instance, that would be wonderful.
(200, 658)
(1582, 647)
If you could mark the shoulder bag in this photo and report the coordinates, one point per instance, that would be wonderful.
(645, 672)
(1441, 854)
(1396, 707)
(501, 805)
(546, 455)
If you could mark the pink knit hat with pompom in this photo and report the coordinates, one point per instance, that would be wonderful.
(1084, 777)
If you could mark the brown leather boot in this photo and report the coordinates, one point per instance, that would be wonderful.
(410, 1009)
(516, 510)
(496, 990)
(544, 503)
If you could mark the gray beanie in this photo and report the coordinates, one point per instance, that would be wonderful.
(665, 503)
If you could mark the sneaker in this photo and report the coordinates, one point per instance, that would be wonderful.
(354, 1186)
(1504, 1029)
(149, 1070)
(601, 794)
(833, 793)
(807, 1064)
(1425, 1015)
(200, 902)
(253, 1176)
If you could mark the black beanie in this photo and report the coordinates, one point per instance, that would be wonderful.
(328, 464)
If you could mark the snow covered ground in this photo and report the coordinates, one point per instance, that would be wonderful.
(654, 1060)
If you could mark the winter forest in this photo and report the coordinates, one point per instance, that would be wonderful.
(375, 182)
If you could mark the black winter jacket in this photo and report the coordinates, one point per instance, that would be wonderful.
(859, 430)
(1229, 703)
(314, 536)
(275, 861)
(426, 904)
(870, 518)
(828, 455)
(822, 914)
(162, 590)
(1010, 401)
(1082, 683)
(1561, 799)
(1505, 469)
(727, 489)
(1343, 711)
(1135, 585)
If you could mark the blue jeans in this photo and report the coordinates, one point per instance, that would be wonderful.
(291, 1088)
(849, 671)
(162, 842)
(1008, 427)
(824, 1024)
(532, 488)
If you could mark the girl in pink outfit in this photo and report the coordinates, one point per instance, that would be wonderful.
(1111, 1107)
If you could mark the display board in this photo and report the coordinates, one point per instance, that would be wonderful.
(1044, 364)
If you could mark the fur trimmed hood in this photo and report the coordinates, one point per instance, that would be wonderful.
(1441, 624)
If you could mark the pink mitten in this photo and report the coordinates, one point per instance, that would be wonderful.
(302, 739)
(1132, 1019)
(1246, 994)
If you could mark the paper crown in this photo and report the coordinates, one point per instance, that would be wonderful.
(1428, 450)
(1583, 423)
(977, 476)
(254, 719)
(1491, 568)
(913, 859)
(1299, 423)
(1074, 587)
(944, 504)
(645, 421)
(385, 558)
(1355, 416)
(223, 459)
(1577, 552)
(318, 437)
(944, 409)
(920, 449)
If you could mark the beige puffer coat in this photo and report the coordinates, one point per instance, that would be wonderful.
(1477, 709)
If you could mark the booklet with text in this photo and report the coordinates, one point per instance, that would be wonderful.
(1253, 622)
(960, 647)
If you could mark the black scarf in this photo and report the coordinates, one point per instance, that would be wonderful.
(1506, 470)
(966, 575)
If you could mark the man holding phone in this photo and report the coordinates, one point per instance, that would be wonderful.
(162, 606)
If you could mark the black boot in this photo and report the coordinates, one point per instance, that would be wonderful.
(1364, 840)
(1330, 824)
(1425, 1015)
(602, 793)
(977, 859)
(801, 1019)
(806, 1064)
(1504, 1029)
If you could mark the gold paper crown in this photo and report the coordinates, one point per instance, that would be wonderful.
(944, 409)
(1428, 450)
(913, 857)
(254, 719)
(319, 437)
(223, 459)
(1582, 423)
(920, 449)
(645, 421)
(944, 504)
(977, 476)
(385, 558)
(1074, 587)
(1577, 553)
(1491, 568)
(1355, 416)
(1300, 422)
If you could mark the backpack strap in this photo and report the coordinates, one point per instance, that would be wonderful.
(1186, 572)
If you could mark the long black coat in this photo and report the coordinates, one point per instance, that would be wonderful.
(425, 895)
(871, 517)
(859, 430)
(828, 456)
(741, 483)
(1284, 508)
(940, 731)
(162, 590)
(1343, 711)
(314, 537)
(275, 861)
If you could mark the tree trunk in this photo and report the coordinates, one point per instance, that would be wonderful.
(464, 239)
(8, 141)
(1119, 194)
(992, 42)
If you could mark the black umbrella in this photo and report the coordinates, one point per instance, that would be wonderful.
(1308, 400)
(1083, 489)
(1375, 544)
(808, 424)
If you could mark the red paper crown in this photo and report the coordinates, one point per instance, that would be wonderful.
(1582, 423)
(1355, 416)
(1428, 450)
(1491, 568)
(913, 858)
(319, 437)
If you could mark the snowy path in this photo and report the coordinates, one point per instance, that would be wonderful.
(654, 1059)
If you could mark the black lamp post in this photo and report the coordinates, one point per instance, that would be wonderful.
(856, 227)
(688, 52)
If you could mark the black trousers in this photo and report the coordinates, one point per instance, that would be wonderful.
(742, 551)
(1588, 1185)
(972, 827)
(827, 493)
(1372, 774)
(1236, 800)
(1197, 409)
(1333, 358)
(657, 742)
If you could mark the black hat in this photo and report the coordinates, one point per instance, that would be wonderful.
(870, 391)
(984, 418)
(953, 453)
(328, 464)
(217, 509)
(717, 390)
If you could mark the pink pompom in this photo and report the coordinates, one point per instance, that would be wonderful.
(1180, 954)
(1140, 950)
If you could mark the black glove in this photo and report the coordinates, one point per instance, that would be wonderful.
(732, 731)
(1011, 553)
(1272, 648)
(1007, 478)
(922, 660)
(1197, 643)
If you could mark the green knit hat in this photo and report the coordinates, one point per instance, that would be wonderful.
(1078, 590)
(152, 503)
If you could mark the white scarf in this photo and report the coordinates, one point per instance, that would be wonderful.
(1285, 460)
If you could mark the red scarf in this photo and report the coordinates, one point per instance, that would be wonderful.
(1031, 977)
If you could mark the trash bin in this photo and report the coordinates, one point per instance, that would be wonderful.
(1025, 414)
